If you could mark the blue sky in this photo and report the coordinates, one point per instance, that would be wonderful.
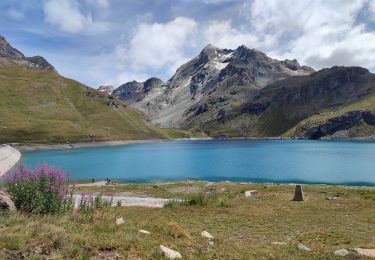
(114, 41)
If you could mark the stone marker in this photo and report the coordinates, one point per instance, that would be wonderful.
(298, 193)
(341, 252)
(302, 247)
(144, 232)
(250, 193)
(206, 235)
(120, 221)
(365, 252)
(171, 254)
(6, 203)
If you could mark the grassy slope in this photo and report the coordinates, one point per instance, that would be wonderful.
(243, 228)
(360, 130)
(42, 106)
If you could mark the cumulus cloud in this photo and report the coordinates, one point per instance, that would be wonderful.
(222, 34)
(67, 15)
(319, 33)
(161, 44)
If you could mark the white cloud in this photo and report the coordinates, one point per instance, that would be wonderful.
(161, 44)
(68, 17)
(15, 14)
(221, 34)
(317, 32)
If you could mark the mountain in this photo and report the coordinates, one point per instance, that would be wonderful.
(243, 92)
(39, 105)
(282, 105)
(215, 79)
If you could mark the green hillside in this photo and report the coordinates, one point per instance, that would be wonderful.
(39, 105)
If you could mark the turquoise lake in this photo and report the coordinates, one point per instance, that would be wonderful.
(281, 161)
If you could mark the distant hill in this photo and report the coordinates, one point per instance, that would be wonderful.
(243, 92)
(39, 105)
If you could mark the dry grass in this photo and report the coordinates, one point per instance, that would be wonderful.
(243, 230)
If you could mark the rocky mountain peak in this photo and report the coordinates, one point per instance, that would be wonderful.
(8, 52)
(206, 83)
(12, 54)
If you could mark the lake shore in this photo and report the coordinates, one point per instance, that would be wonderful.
(26, 147)
(23, 147)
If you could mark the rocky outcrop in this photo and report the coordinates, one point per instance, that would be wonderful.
(14, 55)
(340, 123)
(6, 203)
(108, 89)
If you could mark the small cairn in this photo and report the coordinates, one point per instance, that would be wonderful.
(298, 193)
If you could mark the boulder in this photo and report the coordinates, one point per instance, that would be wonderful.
(298, 193)
(250, 193)
(341, 252)
(302, 247)
(120, 221)
(365, 252)
(206, 235)
(6, 203)
(169, 253)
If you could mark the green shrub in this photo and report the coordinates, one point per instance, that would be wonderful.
(42, 191)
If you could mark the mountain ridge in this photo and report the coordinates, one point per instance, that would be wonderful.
(39, 105)
(243, 92)
(213, 70)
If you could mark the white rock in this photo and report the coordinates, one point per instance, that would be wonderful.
(120, 221)
(207, 235)
(341, 252)
(365, 252)
(279, 243)
(171, 254)
(250, 193)
(302, 247)
(144, 232)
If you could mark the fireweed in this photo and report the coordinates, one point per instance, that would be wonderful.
(43, 190)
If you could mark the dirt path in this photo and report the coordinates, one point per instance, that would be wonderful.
(127, 201)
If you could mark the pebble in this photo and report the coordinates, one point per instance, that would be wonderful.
(365, 252)
(171, 254)
(341, 252)
(279, 243)
(302, 247)
(250, 193)
(206, 235)
(120, 221)
(144, 232)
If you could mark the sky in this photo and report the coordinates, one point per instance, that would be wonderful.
(101, 42)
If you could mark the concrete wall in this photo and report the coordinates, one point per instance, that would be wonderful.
(8, 158)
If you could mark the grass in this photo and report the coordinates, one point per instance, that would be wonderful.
(42, 106)
(243, 228)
